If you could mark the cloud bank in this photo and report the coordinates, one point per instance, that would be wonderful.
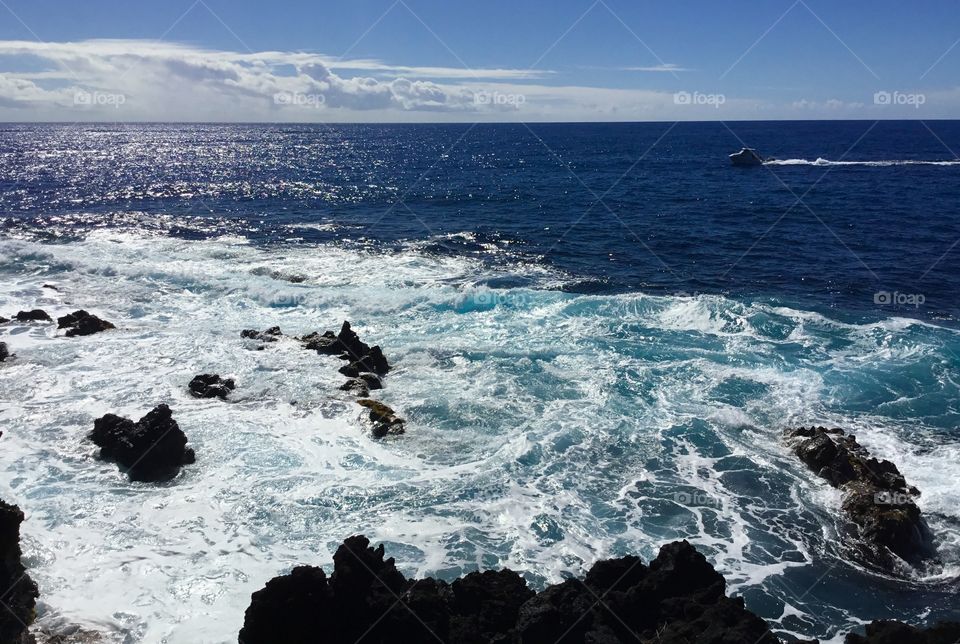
(146, 80)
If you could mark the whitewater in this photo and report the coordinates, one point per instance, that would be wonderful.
(545, 430)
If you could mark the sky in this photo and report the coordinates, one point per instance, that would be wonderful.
(458, 61)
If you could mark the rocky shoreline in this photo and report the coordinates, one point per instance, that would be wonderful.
(677, 597)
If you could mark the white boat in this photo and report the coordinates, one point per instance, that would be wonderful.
(746, 157)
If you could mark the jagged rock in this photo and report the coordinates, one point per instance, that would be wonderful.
(373, 361)
(19, 591)
(270, 335)
(4, 351)
(893, 632)
(876, 496)
(678, 599)
(152, 449)
(346, 343)
(348, 346)
(36, 315)
(3, 320)
(209, 385)
(82, 323)
(385, 420)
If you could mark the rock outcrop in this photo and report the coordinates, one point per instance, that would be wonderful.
(348, 346)
(209, 385)
(876, 496)
(678, 598)
(36, 315)
(82, 323)
(385, 420)
(270, 335)
(152, 449)
(4, 351)
(893, 632)
(19, 591)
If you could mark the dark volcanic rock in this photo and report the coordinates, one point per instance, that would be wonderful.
(385, 420)
(152, 449)
(270, 335)
(346, 343)
(36, 315)
(209, 385)
(4, 351)
(374, 361)
(876, 496)
(3, 320)
(348, 346)
(357, 386)
(893, 632)
(363, 384)
(678, 599)
(19, 591)
(82, 323)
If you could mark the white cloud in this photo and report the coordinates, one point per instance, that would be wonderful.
(148, 80)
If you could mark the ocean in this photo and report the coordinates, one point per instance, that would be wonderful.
(599, 333)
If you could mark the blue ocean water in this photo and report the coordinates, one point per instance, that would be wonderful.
(599, 331)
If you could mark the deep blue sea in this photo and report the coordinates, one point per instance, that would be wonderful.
(599, 331)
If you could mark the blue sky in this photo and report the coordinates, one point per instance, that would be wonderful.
(522, 60)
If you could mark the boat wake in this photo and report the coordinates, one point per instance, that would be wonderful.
(827, 162)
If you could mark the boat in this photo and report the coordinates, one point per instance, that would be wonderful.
(746, 157)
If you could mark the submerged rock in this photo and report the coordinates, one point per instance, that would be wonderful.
(36, 315)
(363, 384)
(678, 599)
(209, 385)
(152, 449)
(270, 335)
(893, 632)
(876, 496)
(4, 351)
(82, 323)
(385, 420)
(357, 386)
(19, 592)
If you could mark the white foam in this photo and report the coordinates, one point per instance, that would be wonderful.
(538, 422)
